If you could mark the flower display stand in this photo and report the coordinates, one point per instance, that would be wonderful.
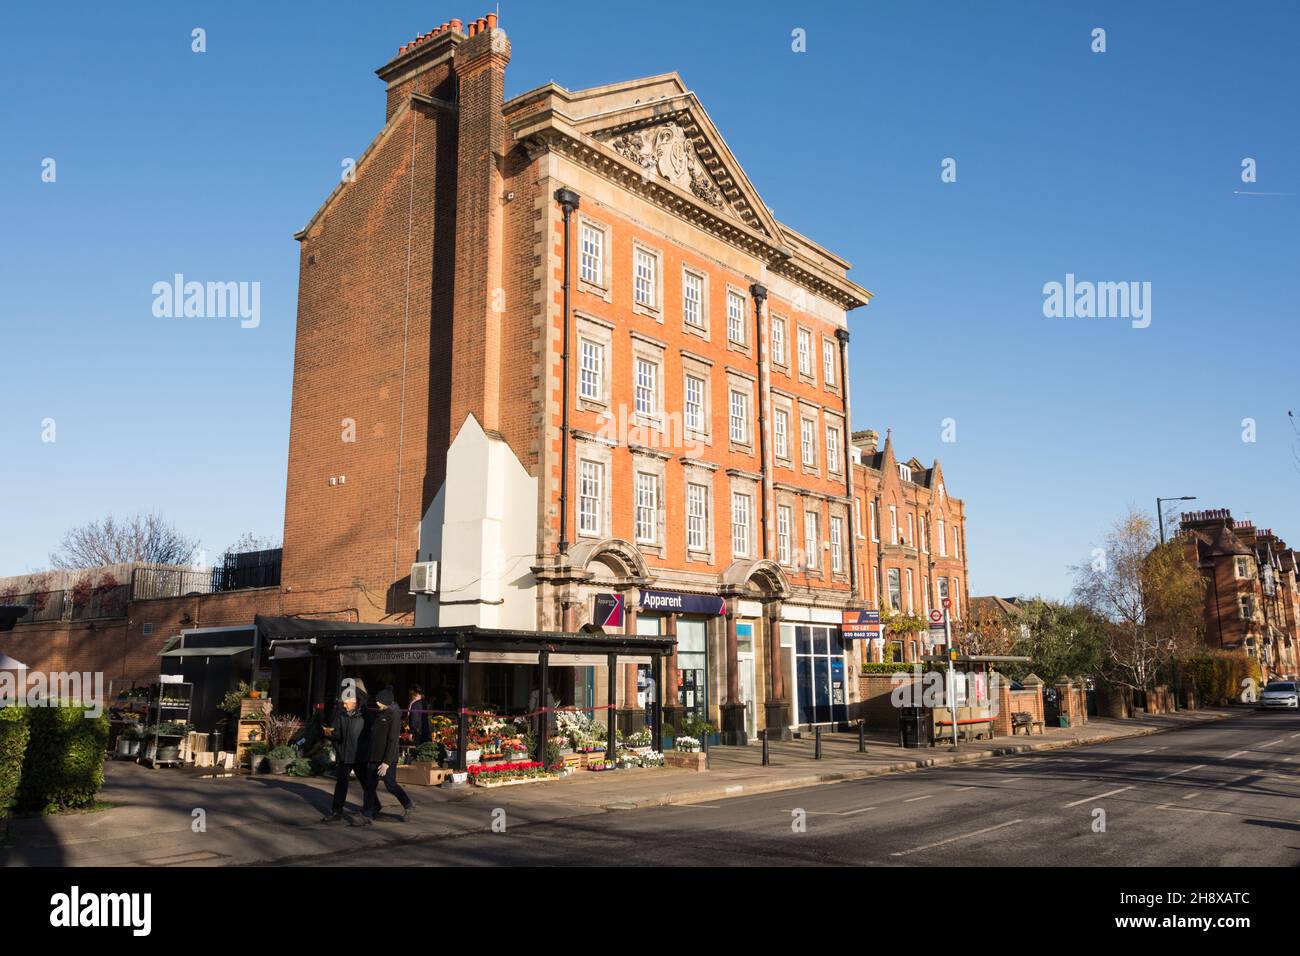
(684, 760)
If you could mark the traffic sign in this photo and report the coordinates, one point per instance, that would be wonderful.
(947, 603)
(936, 617)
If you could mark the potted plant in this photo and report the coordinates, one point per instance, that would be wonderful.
(256, 754)
(128, 741)
(280, 757)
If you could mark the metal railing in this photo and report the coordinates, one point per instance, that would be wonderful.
(253, 569)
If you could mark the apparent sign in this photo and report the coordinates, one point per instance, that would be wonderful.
(860, 624)
(936, 617)
(674, 602)
(608, 612)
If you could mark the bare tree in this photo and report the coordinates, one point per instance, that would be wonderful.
(1149, 597)
(251, 541)
(141, 537)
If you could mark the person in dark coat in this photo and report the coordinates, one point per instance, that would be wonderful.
(385, 742)
(346, 732)
(417, 715)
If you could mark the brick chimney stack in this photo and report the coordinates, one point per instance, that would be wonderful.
(480, 64)
(866, 441)
(422, 66)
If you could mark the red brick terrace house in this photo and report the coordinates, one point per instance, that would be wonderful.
(1252, 599)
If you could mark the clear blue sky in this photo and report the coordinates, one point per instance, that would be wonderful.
(1116, 166)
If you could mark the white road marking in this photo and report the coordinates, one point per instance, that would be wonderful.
(849, 813)
(1237, 754)
(960, 789)
(1194, 793)
(734, 789)
(1165, 806)
(1272, 742)
(964, 836)
(1109, 793)
(914, 799)
(1184, 770)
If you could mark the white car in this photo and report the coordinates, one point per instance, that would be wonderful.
(1281, 693)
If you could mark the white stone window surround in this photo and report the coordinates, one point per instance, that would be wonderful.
(603, 287)
(700, 367)
(588, 328)
(739, 381)
(702, 330)
(655, 309)
(597, 450)
(746, 343)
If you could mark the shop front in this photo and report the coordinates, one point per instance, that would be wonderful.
(695, 621)
(818, 662)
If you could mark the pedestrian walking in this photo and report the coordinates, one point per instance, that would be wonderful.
(345, 732)
(385, 739)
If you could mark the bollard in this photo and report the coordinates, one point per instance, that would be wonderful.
(767, 761)
(817, 753)
(862, 736)
(704, 743)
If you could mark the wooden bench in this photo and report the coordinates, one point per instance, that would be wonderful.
(1023, 718)
(970, 729)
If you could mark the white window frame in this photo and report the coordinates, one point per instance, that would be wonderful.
(736, 322)
(738, 424)
(700, 282)
(812, 540)
(907, 579)
(943, 540)
(828, 363)
(925, 535)
(837, 544)
(832, 449)
(646, 508)
(597, 275)
(697, 517)
(591, 475)
(692, 423)
(808, 442)
(742, 509)
(645, 388)
(805, 340)
(781, 433)
(905, 472)
(875, 528)
(893, 524)
(911, 530)
(597, 350)
(892, 576)
(779, 342)
(784, 518)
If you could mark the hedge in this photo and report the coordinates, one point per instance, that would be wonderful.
(64, 766)
(13, 744)
(897, 667)
(1218, 675)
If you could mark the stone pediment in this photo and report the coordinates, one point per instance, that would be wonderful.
(665, 150)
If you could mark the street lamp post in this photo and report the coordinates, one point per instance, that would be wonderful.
(1160, 519)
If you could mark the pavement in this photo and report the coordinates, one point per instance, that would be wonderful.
(187, 818)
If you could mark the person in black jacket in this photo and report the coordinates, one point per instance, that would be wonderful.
(385, 738)
(417, 715)
(346, 733)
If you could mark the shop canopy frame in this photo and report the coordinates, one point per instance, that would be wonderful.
(298, 638)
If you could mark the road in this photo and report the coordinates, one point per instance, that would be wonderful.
(1226, 793)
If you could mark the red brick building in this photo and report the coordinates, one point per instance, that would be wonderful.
(1252, 601)
(555, 353)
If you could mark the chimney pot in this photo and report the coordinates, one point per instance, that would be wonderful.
(491, 21)
(473, 28)
(455, 25)
(482, 24)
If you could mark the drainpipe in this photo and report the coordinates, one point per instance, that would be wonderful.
(843, 336)
(568, 201)
(759, 293)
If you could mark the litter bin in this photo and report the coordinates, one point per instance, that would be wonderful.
(913, 727)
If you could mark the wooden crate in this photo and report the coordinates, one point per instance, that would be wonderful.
(421, 774)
